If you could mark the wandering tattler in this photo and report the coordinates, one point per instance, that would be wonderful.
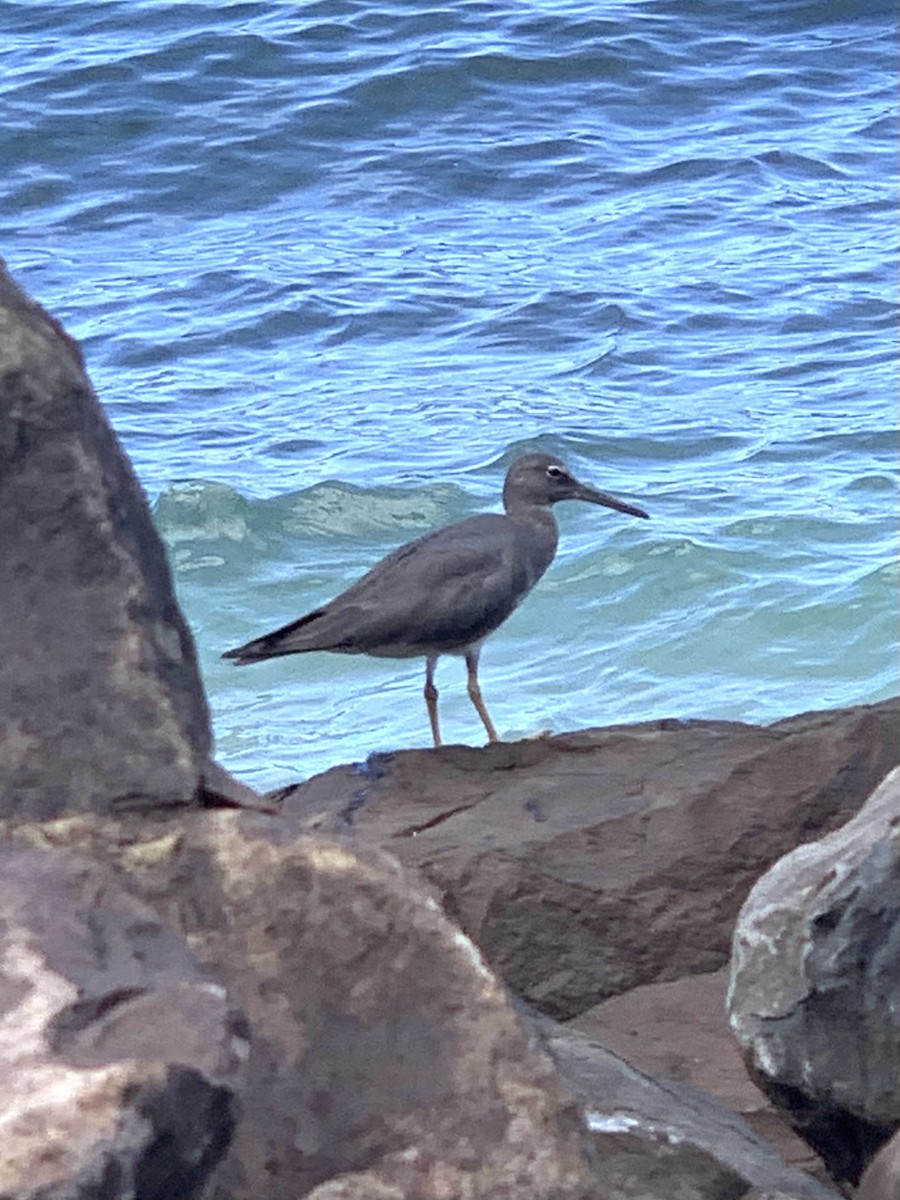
(445, 592)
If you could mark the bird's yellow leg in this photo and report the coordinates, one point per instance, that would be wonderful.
(431, 699)
(476, 697)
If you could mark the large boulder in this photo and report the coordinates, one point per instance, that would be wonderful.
(815, 980)
(381, 1047)
(101, 703)
(120, 1057)
(586, 864)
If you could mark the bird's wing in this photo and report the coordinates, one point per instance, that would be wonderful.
(441, 592)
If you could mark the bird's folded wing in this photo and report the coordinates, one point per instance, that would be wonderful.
(440, 593)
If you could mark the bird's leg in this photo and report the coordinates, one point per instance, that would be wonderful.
(475, 695)
(431, 698)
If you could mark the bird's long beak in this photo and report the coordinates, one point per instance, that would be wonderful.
(594, 497)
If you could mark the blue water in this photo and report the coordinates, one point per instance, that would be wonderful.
(334, 264)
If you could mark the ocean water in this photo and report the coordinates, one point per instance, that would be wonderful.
(335, 264)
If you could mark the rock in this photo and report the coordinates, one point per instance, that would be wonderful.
(658, 1140)
(590, 863)
(382, 1046)
(815, 976)
(385, 1059)
(220, 789)
(120, 1057)
(679, 1032)
(101, 703)
(881, 1180)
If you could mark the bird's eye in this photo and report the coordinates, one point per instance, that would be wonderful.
(555, 472)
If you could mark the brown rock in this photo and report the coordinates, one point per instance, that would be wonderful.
(381, 1045)
(119, 1056)
(587, 864)
(100, 698)
(814, 981)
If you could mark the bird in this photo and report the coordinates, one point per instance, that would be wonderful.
(444, 593)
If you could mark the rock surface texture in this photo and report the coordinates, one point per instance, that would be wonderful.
(586, 864)
(100, 698)
(382, 1048)
(120, 1058)
(815, 983)
(679, 1031)
(661, 1139)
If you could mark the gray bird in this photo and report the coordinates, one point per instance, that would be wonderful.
(445, 592)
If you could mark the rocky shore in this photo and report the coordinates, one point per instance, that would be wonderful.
(651, 961)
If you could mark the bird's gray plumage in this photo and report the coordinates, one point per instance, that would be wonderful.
(445, 592)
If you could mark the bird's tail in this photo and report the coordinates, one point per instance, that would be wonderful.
(273, 645)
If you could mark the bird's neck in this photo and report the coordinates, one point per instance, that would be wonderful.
(541, 524)
(531, 514)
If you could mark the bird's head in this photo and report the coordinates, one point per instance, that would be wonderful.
(539, 480)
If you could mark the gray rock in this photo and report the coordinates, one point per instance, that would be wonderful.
(663, 1140)
(120, 1057)
(586, 864)
(815, 980)
(101, 703)
(679, 1031)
